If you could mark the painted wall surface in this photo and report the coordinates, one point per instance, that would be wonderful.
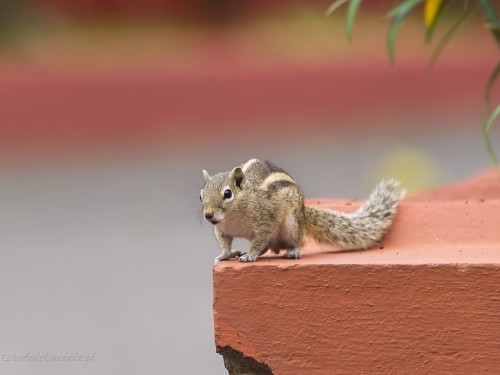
(426, 301)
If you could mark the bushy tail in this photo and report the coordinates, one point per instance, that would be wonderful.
(361, 229)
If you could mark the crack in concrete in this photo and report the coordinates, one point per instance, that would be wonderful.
(238, 363)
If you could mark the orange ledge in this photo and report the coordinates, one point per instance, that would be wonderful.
(427, 300)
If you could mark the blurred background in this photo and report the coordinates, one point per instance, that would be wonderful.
(109, 110)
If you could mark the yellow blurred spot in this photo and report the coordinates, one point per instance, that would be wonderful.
(431, 10)
(416, 169)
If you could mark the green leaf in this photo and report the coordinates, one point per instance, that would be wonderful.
(490, 13)
(404, 8)
(496, 35)
(391, 38)
(351, 15)
(489, 85)
(399, 14)
(492, 17)
(492, 118)
(352, 11)
(486, 133)
(447, 37)
(334, 6)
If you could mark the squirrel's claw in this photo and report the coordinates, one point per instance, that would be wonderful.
(247, 258)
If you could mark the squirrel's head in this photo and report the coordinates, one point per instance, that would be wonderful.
(220, 192)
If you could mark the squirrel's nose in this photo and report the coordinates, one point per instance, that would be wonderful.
(209, 215)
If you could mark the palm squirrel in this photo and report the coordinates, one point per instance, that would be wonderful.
(259, 201)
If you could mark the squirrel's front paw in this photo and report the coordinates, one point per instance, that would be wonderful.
(247, 258)
(227, 256)
(221, 257)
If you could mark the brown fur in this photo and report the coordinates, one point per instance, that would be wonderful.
(266, 207)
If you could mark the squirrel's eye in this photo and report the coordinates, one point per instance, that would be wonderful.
(201, 200)
(228, 194)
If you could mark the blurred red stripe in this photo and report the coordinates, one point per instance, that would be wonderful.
(40, 106)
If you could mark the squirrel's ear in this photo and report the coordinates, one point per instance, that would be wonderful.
(206, 176)
(238, 176)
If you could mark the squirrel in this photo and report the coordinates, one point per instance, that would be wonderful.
(261, 202)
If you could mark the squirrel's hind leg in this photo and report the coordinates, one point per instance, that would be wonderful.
(292, 253)
(292, 231)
